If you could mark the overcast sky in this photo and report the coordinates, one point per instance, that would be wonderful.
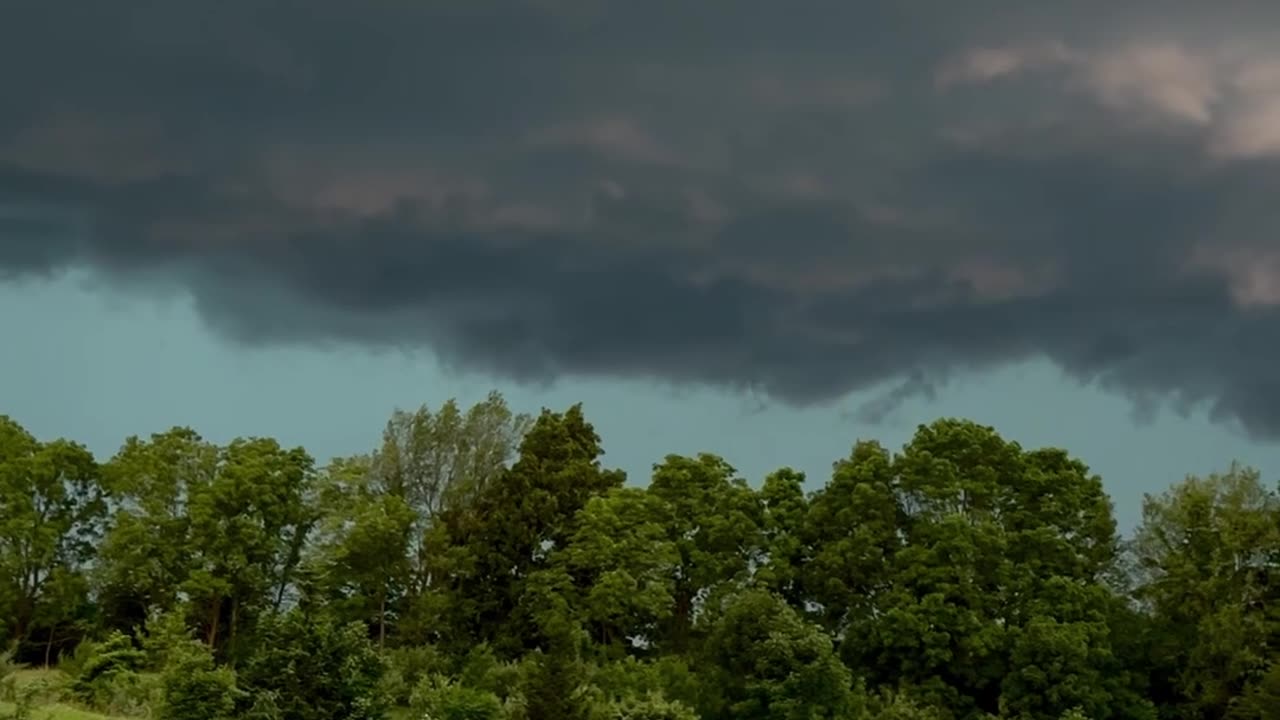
(758, 228)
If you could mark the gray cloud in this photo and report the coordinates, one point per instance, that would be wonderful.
(796, 199)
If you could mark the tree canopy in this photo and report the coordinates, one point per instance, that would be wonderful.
(481, 563)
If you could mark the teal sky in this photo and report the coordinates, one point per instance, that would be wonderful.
(959, 210)
(96, 367)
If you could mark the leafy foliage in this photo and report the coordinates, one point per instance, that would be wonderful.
(195, 688)
(439, 698)
(481, 564)
(765, 661)
(314, 668)
(110, 677)
(648, 707)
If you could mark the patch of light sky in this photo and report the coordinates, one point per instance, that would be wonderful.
(81, 363)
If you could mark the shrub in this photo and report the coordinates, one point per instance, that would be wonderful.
(166, 634)
(633, 678)
(8, 676)
(314, 669)
(481, 669)
(552, 686)
(108, 678)
(405, 668)
(23, 699)
(194, 688)
(438, 698)
(900, 706)
(652, 706)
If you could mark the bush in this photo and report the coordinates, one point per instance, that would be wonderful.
(8, 676)
(23, 699)
(552, 686)
(900, 706)
(166, 634)
(767, 660)
(128, 694)
(96, 661)
(194, 688)
(631, 678)
(482, 670)
(108, 679)
(314, 669)
(405, 669)
(73, 664)
(649, 707)
(438, 698)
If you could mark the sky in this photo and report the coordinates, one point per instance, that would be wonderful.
(755, 228)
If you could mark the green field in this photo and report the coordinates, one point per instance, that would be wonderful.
(46, 706)
(55, 711)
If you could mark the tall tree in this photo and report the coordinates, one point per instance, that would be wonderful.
(649, 560)
(244, 527)
(435, 460)
(495, 546)
(852, 526)
(145, 555)
(624, 558)
(996, 559)
(51, 508)
(713, 519)
(1206, 551)
(784, 550)
(362, 545)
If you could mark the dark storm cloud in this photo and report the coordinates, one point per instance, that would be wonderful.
(799, 199)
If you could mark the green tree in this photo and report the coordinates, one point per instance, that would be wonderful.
(626, 561)
(986, 541)
(313, 668)
(1262, 700)
(766, 662)
(440, 698)
(852, 527)
(193, 687)
(785, 552)
(146, 554)
(244, 529)
(51, 509)
(362, 542)
(434, 461)
(553, 685)
(109, 679)
(497, 552)
(648, 707)
(645, 561)
(1206, 550)
(713, 519)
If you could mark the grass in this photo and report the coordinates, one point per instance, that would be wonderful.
(27, 676)
(56, 711)
(46, 707)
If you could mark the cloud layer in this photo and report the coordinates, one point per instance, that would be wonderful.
(801, 199)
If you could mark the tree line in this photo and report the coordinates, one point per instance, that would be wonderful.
(481, 563)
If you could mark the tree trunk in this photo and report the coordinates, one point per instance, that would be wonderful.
(22, 625)
(235, 616)
(295, 555)
(215, 614)
(382, 619)
(48, 647)
(682, 619)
